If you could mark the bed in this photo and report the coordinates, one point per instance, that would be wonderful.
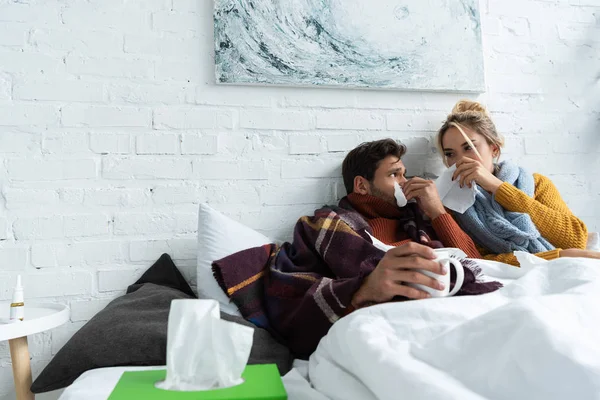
(534, 338)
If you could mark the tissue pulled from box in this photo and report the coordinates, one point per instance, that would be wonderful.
(203, 351)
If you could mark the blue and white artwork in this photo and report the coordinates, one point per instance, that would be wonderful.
(432, 45)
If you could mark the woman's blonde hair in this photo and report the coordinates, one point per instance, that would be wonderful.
(473, 115)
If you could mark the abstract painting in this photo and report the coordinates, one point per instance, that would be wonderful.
(430, 45)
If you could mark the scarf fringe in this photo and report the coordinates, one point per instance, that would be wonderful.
(474, 283)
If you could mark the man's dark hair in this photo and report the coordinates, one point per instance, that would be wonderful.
(365, 159)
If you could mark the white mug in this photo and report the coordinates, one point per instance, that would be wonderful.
(443, 257)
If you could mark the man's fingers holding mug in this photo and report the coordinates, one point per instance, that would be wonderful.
(415, 262)
(419, 278)
(397, 289)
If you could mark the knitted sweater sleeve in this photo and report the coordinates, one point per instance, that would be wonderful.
(451, 235)
(548, 212)
(509, 258)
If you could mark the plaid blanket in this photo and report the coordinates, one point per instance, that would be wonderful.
(298, 290)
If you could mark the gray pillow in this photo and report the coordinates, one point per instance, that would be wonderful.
(132, 331)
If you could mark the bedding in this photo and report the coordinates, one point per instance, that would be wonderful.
(132, 331)
(337, 367)
(533, 339)
(537, 338)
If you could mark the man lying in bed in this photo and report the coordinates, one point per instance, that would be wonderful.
(298, 290)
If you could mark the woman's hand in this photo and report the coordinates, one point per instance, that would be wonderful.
(579, 253)
(426, 194)
(469, 171)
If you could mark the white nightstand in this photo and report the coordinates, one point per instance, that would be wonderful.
(39, 317)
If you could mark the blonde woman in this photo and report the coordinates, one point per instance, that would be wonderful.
(514, 209)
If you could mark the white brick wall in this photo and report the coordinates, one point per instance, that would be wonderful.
(191, 118)
(157, 143)
(112, 131)
(196, 143)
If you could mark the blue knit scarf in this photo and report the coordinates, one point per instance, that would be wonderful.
(498, 230)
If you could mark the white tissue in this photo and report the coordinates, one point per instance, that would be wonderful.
(399, 195)
(203, 351)
(453, 196)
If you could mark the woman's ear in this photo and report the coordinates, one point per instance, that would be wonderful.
(495, 151)
(361, 185)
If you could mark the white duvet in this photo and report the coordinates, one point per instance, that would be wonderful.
(537, 338)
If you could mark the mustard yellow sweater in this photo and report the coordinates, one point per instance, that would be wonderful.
(550, 215)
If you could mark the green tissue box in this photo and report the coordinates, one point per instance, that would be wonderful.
(261, 382)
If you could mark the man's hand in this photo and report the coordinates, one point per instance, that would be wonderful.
(399, 265)
(579, 253)
(426, 194)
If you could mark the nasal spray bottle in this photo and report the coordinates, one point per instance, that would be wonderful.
(17, 306)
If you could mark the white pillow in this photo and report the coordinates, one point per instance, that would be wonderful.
(218, 237)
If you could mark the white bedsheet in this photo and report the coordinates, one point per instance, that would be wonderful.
(537, 338)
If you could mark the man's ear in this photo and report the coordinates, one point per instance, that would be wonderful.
(361, 185)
